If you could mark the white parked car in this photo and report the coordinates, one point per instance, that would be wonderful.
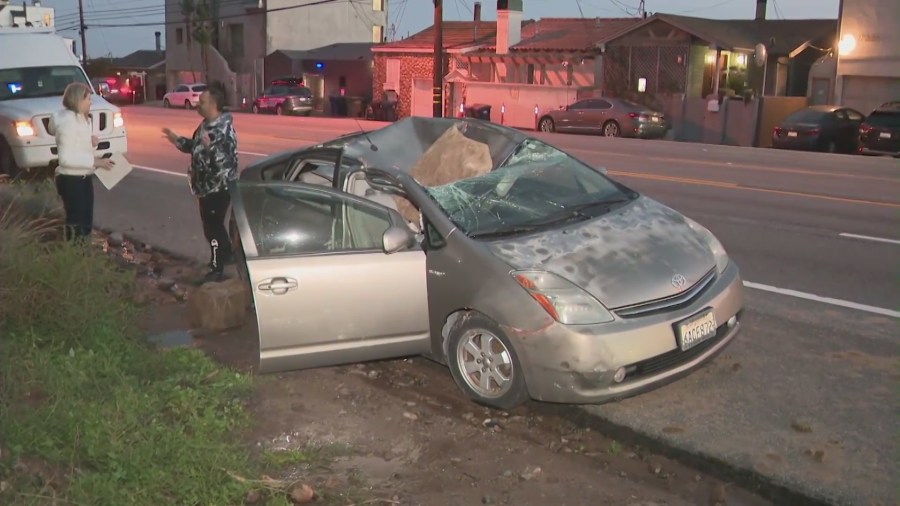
(184, 95)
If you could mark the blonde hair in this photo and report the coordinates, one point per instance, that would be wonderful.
(74, 94)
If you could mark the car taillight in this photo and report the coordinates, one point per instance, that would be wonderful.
(639, 117)
(778, 131)
(814, 131)
(864, 129)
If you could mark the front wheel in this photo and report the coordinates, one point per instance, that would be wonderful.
(255, 109)
(187, 104)
(485, 365)
(279, 111)
(166, 103)
(546, 125)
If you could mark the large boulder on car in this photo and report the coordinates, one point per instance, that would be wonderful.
(451, 158)
(219, 306)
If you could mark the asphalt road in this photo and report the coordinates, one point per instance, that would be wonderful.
(816, 237)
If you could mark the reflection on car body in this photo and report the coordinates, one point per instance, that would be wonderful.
(531, 276)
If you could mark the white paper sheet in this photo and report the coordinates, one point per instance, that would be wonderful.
(111, 178)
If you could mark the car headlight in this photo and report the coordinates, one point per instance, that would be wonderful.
(118, 120)
(24, 128)
(563, 300)
(715, 245)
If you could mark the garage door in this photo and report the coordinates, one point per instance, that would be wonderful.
(866, 93)
(421, 100)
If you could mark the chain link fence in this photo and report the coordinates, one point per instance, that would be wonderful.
(664, 68)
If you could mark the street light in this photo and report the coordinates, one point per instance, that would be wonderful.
(847, 44)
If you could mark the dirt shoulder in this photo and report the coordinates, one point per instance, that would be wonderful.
(410, 437)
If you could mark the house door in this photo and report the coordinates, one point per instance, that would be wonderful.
(820, 88)
(421, 99)
(316, 85)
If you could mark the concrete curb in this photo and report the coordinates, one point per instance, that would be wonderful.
(751, 480)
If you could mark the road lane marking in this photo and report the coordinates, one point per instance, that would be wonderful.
(251, 153)
(869, 238)
(160, 171)
(743, 166)
(825, 300)
(736, 186)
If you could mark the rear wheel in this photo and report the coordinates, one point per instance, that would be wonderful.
(611, 129)
(279, 111)
(484, 363)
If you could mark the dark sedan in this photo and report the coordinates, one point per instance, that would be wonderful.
(826, 128)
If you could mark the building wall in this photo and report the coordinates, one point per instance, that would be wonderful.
(263, 33)
(870, 73)
(412, 66)
(321, 25)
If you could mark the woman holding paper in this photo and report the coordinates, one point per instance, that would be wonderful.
(74, 174)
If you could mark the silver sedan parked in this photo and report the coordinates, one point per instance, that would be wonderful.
(525, 271)
(609, 116)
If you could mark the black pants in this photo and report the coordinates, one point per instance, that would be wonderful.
(77, 193)
(212, 213)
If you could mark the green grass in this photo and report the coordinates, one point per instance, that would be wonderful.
(92, 415)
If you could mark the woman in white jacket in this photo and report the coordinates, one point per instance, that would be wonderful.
(77, 163)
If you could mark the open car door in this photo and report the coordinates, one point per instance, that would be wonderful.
(329, 290)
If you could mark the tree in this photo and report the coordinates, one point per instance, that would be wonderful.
(189, 12)
(203, 32)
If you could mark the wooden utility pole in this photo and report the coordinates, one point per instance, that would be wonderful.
(438, 86)
(82, 29)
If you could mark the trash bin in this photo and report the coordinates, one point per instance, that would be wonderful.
(354, 107)
(389, 100)
(479, 111)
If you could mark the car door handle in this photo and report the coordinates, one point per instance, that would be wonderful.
(278, 286)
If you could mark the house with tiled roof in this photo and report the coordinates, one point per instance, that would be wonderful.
(551, 62)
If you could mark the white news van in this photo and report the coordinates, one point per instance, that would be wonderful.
(36, 65)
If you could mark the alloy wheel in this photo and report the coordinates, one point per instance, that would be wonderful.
(485, 363)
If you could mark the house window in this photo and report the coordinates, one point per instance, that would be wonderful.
(179, 35)
(392, 74)
(236, 39)
(378, 34)
(378, 5)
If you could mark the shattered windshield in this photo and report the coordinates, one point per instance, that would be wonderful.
(538, 186)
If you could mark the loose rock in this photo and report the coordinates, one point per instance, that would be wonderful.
(801, 425)
(301, 494)
(219, 306)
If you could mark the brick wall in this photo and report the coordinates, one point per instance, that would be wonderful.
(412, 66)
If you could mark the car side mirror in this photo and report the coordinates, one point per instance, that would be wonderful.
(396, 239)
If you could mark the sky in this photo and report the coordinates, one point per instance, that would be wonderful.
(409, 16)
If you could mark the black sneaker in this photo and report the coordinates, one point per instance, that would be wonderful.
(213, 276)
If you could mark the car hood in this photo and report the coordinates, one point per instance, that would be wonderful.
(26, 108)
(626, 257)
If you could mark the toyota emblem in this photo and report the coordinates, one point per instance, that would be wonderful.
(678, 281)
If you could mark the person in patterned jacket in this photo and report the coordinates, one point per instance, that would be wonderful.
(214, 162)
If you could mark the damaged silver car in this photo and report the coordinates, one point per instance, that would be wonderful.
(525, 271)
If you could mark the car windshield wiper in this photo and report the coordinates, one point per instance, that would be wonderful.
(503, 231)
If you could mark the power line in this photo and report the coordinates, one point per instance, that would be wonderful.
(233, 16)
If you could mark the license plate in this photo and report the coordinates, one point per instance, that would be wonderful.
(885, 135)
(696, 329)
(792, 134)
(654, 119)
